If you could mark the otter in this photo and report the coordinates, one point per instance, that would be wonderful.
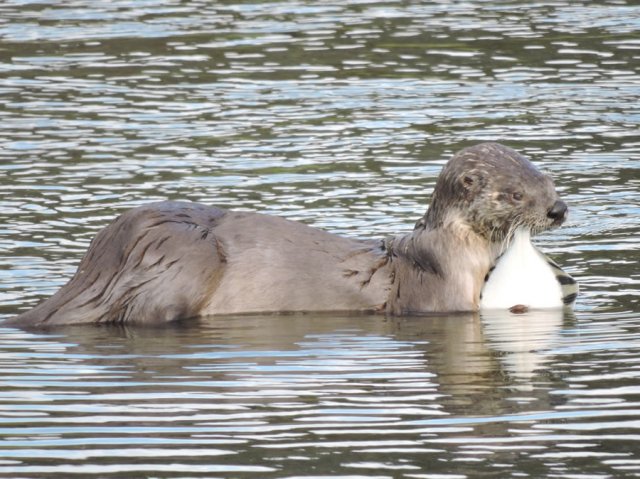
(174, 260)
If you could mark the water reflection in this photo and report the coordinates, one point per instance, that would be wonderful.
(229, 387)
(524, 340)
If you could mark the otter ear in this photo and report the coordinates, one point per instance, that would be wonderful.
(471, 181)
(468, 181)
(472, 184)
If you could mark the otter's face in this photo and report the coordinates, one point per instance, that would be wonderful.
(497, 190)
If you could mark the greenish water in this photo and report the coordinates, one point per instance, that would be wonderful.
(339, 115)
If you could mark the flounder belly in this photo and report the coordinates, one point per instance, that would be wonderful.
(525, 276)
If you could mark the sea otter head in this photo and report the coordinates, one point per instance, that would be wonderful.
(493, 190)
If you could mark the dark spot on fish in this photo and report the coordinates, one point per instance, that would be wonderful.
(564, 280)
(519, 309)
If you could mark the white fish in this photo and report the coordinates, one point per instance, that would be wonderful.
(525, 278)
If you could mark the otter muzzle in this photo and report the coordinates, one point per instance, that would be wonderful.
(558, 212)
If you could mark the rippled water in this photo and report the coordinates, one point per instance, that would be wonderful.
(339, 115)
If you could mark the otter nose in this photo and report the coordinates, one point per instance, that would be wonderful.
(558, 211)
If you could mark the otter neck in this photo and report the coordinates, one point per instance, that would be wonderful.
(439, 268)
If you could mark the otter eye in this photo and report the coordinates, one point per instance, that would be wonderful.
(468, 180)
(516, 196)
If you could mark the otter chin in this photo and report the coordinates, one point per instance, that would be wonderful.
(175, 260)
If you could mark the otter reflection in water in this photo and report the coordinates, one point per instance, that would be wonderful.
(174, 260)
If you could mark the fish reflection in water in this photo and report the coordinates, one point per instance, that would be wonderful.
(471, 353)
(523, 341)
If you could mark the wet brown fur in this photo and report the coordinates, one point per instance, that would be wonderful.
(174, 260)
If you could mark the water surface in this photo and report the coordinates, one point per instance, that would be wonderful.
(339, 115)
